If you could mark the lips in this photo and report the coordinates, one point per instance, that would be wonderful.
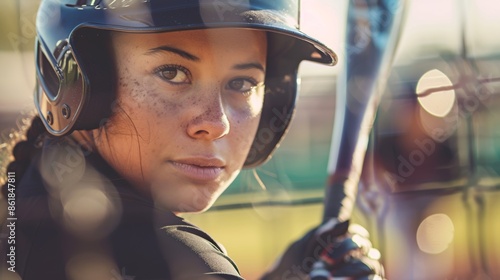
(200, 169)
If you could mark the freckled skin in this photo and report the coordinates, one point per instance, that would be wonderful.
(195, 114)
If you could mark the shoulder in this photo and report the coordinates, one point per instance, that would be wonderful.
(160, 244)
(192, 254)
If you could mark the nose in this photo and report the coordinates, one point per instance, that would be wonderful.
(212, 123)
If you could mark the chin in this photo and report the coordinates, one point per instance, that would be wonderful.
(189, 208)
(186, 202)
(183, 197)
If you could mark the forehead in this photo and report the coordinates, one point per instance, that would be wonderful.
(230, 39)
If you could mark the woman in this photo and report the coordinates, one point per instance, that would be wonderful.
(148, 109)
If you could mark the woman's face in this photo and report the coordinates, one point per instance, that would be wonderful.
(187, 109)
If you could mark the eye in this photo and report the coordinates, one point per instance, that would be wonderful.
(243, 85)
(174, 74)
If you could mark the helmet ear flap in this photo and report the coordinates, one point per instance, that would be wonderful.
(277, 113)
(75, 85)
(59, 93)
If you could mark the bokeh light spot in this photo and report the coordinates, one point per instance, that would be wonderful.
(86, 209)
(435, 233)
(439, 102)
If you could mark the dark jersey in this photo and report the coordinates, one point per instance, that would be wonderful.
(77, 219)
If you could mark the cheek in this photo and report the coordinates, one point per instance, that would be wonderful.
(141, 92)
(244, 124)
(143, 119)
(244, 129)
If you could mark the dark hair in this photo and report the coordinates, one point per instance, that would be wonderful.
(24, 151)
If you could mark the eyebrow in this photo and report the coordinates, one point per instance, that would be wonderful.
(253, 65)
(184, 54)
(177, 51)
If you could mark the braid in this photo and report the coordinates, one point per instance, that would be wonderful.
(24, 151)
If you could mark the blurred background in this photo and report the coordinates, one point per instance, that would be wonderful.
(430, 183)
